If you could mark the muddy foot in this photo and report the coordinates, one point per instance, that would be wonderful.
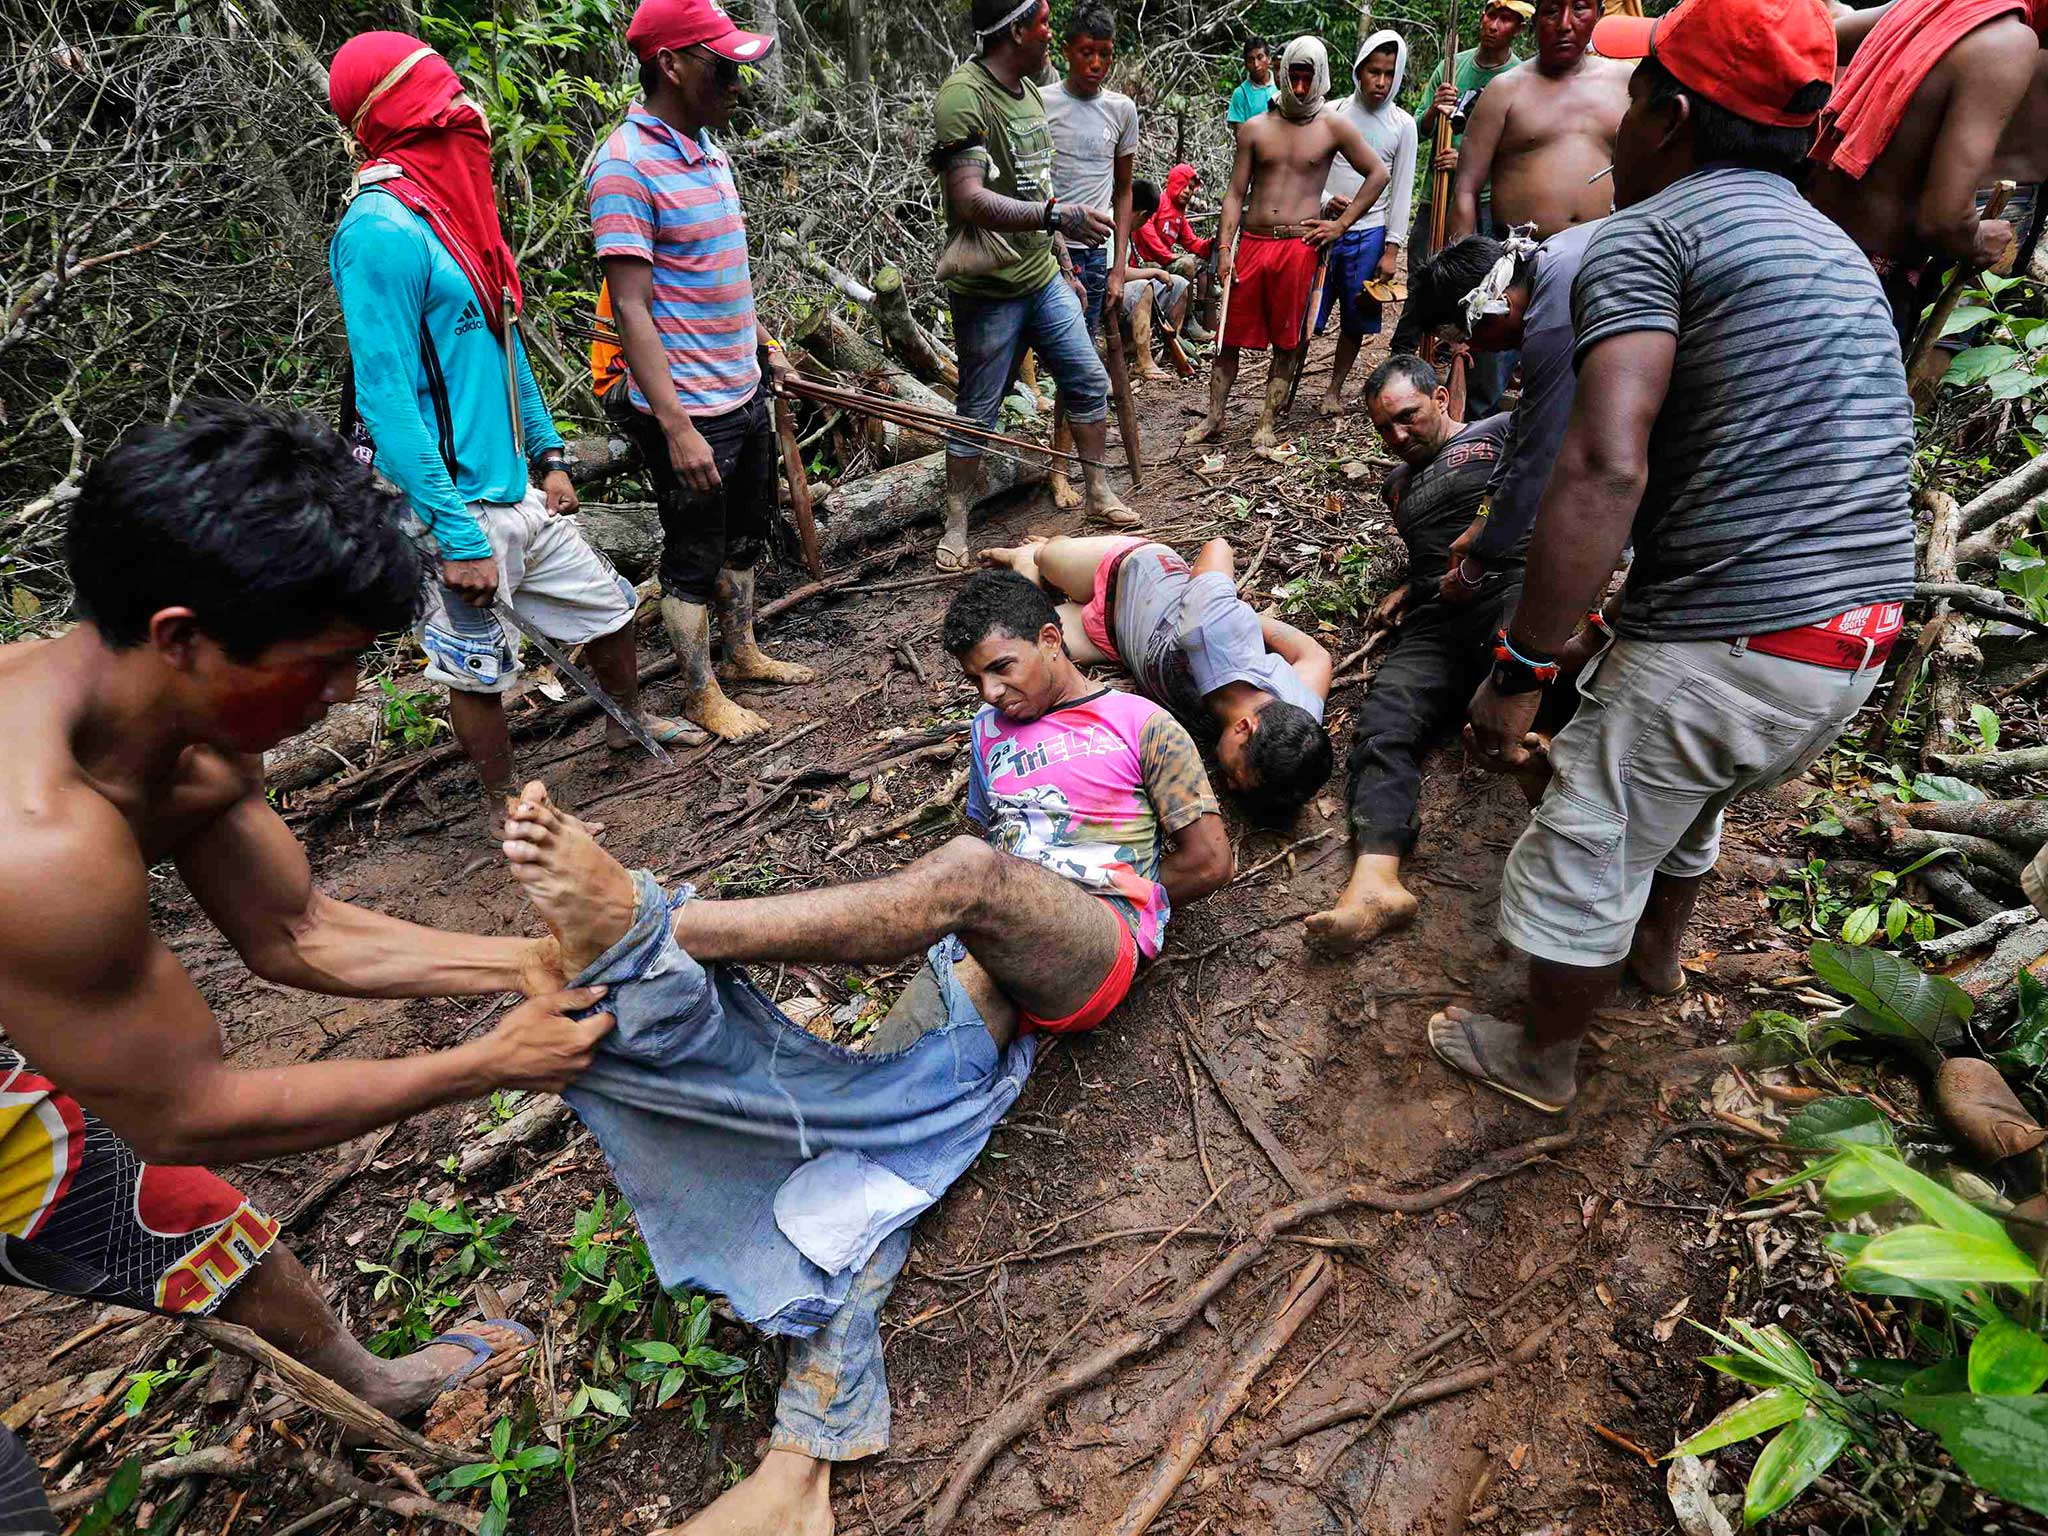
(1064, 496)
(1332, 405)
(787, 1495)
(1263, 435)
(1151, 373)
(583, 894)
(724, 719)
(951, 554)
(1498, 1055)
(1351, 924)
(1108, 512)
(1202, 431)
(418, 1378)
(755, 665)
(670, 733)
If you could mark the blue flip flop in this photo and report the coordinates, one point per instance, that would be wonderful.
(479, 1348)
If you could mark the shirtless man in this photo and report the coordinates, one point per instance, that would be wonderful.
(1903, 184)
(1276, 195)
(230, 572)
(1541, 132)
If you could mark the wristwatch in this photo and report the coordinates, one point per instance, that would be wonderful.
(548, 460)
(1515, 671)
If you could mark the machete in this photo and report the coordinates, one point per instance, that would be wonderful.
(1126, 412)
(799, 486)
(583, 680)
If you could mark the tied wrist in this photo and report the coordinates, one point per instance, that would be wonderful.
(1517, 669)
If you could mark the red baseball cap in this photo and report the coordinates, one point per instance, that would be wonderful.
(679, 24)
(1750, 56)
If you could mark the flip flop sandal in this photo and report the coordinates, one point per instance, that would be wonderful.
(1474, 1065)
(1388, 292)
(480, 1349)
(949, 563)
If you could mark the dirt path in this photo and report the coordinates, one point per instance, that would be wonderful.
(1122, 1132)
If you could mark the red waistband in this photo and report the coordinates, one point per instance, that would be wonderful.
(1849, 642)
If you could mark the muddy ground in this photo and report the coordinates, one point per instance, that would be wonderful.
(1124, 1152)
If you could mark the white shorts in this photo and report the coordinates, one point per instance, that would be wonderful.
(547, 570)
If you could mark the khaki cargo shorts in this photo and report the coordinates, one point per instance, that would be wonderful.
(1666, 734)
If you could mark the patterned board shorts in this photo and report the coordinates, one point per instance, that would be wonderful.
(82, 1214)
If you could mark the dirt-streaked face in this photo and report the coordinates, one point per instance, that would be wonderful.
(1409, 421)
(1088, 61)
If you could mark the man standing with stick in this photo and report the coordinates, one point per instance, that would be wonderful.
(1006, 264)
(669, 231)
(1275, 199)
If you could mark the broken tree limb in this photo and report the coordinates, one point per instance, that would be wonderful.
(2023, 823)
(1985, 602)
(532, 1122)
(209, 1461)
(846, 283)
(1952, 890)
(1202, 1423)
(942, 799)
(336, 1478)
(907, 341)
(1985, 546)
(1996, 857)
(1027, 1408)
(827, 337)
(903, 495)
(1991, 979)
(1990, 767)
(1950, 945)
(1992, 503)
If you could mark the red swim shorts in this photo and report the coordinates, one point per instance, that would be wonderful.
(1270, 281)
(1098, 615)
(1116, 986)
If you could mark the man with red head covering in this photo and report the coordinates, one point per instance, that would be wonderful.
(1910, 133)
(431, 297)
(669, 230)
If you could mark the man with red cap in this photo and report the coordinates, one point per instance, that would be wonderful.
(1912, 129)
(666, 218)
(431, 299)
(1742, 415)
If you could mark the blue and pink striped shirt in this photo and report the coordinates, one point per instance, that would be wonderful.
(669, 200)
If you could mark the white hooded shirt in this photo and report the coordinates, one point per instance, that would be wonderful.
(1391, 133)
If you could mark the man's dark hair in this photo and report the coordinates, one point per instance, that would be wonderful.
(259, 521)
(1393, 48)
(1254, 45)
(650, 78)
(995, 601)
(1437, 296)
(1720, 136)
(1091, 18)
(1402, 365)
(1144, 199)
(1289, 758)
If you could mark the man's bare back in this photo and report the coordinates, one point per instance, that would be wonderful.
(1919, 195)
(1540, 140)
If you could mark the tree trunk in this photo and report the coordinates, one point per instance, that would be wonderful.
(2022, 823)
(896, 498)
(858, 69)
(908, 342)
(773, 65)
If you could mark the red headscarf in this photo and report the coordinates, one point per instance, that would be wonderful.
(1872, 94)
(426, 144)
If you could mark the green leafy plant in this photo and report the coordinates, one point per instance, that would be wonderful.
(469, 1246)
(507, 1472)
(690, 1365)
(406, 717)
(507, 1102)
(1892, 1000)
(1806, 902)
(119, 1496)
(143, 1385)
(609, 1270)
(2023, 571)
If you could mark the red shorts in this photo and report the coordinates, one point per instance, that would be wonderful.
(1270, 281)
(1098, 616)
(1116, 986)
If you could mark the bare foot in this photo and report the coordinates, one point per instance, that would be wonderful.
(670, 733)
(751, 664)
(1064, 496)
(1332, 405)
(723, 718)
(789, 1494)
(417, 1379)
(583, 894)
(1263, 435)
(1373, 903)
(1022, 558)
(1203, 431)
(1150, 372)
(1499, 1055)
(1106, 511)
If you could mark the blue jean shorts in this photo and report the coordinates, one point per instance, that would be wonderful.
(1352, 265)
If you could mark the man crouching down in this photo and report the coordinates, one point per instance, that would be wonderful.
(783, 1171)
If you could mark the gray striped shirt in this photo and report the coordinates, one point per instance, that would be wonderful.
(1777, 491)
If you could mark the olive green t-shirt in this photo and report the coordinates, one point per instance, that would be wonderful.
(1008, 133)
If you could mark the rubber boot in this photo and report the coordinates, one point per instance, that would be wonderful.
(1141, 338)
(745, 661)
(689, 631)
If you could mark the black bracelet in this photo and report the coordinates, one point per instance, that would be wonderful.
(1052, 213)
(549, 460)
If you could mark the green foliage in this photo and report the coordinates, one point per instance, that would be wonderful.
(2025, 1052)
(407, 717)
(508, 1472)
(1806, 902)
(122, 1490)
(2023, 571)
(143, 1385)
(2013, 363)
(1892, 999)
(691, 1366)
(1340, 593)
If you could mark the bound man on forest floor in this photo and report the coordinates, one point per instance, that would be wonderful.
(231, 572)
(430, 295)
(1441, 649)
(803, 1219)
(1759, 607)
(666, 220)
(1276, 199)
(1910, 133)
(1539, 140)
(1509, 297)
(1370, 254)
(1006, 266)
(1245, 680)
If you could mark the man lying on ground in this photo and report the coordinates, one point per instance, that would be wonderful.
(1512, 297)
(1760, 606)
(230, 573)
(1276, 193)
(784, 1172)
(1252, 683)
(1440, 651)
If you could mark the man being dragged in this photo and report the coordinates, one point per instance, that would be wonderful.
(1247, 680)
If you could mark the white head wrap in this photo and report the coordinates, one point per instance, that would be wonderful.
(1491, 296)
(1310, 51)
(1008, 21)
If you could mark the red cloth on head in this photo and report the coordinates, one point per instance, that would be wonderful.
(427, 145)
(1168, 228)
(1872, 94)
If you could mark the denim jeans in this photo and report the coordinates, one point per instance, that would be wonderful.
(992, 334)
(1091, 265)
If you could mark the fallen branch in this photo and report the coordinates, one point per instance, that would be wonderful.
(2023, 484)
(1985, 602)
(944, 797)
(1021, 1413)
(1990, 931)
(210, 1461)
(529, 1125)
(2022, 823)
(1984, 547)
(332, 1475)
(1951, 888)
(1980, 767)
(1996, 857)
(353, 1160)
(1202, 1423)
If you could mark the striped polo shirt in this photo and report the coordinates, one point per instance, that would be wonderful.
(669, 200)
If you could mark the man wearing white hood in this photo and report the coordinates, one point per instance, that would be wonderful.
(1371, 251)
